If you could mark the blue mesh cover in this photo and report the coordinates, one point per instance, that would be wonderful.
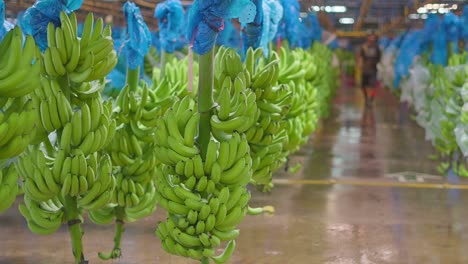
(290, 25)
(451, 26)
(265, 25)
(252, 35)
(438, 41)
(206, 20)
(155, 42)
(37, 17)
(5, 26)
(138, 38)
(170, 15)
(410, 48)
(314, 27)
(229, 37)
(464, 27)
(276, 14)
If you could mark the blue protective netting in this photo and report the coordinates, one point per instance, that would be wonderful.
(5, 26)
(37, 17)
(170, 15)
(252, 35)
(265, 25)
(206, 20)
(229, 37)
(451, 26)
(464, 28)
(290, 26)
(410, 48)
(314, 28)
(433, 37)
(276, 14)
(138, 38)
(438, 41)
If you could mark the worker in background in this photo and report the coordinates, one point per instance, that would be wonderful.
(369, 57)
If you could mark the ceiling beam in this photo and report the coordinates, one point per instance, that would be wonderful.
(362, 14)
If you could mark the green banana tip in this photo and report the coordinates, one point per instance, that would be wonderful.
(105, 256)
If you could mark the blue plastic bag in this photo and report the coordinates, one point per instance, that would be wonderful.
(272, 15)
(138, 38)
(411, 46)
(464, 27)
(37, 17)
(290, 26)
(451, 26)
(206, 20)
(229, 37)
(276, 15)
(5, 26)
(439, 43)
(262, 30)
(170, 15)
(252, 35)
(314, 30)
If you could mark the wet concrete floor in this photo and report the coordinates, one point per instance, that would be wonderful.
(332, 224)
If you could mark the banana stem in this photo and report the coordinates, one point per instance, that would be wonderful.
(133, 76)
(74, 227)
(205, 260)
(205, 99)
(164, 59)
(119, 230)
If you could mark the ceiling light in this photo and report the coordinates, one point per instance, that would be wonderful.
(413, 16)
(423, 16)
(338, 9)
(330, 9)
(346, 20)
(455, 6)
(422, 10)
(316, 8)
(443, 10)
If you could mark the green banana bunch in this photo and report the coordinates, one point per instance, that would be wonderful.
(54, 108)
(205, 200)
(43, 218)
(8, 187)
(236, 108)
(19, 65)
(267, 136)
(143, 207)
(18, 125)
(88, 179)
(291, 68)
(151, 61)
(19, 77)
(175, 82)
(140, 110)
(135, 164)
(66, 172)
(84, 58)
(176, 132)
